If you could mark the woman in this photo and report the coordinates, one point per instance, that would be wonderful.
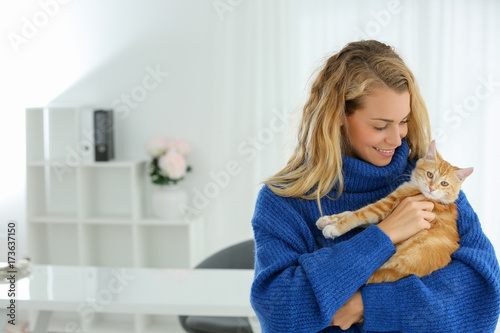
(362, 130)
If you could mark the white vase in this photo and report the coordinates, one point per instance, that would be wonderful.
(168, 201)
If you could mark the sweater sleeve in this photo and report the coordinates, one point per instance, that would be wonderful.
(461, 297)
(298, 287)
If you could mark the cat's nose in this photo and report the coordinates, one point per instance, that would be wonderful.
(431, 189)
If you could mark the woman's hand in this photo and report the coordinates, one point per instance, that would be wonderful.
(350, 313)
(412, 215)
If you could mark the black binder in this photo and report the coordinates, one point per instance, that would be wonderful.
(103, 135)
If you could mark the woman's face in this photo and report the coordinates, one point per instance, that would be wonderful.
(376, 129)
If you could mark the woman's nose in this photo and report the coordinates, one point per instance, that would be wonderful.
(395, 135)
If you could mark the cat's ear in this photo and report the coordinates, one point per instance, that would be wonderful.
(463, 173)
(431, 152)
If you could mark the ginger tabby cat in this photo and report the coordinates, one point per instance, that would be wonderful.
(428, 250)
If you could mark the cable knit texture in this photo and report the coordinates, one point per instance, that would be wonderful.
(302, 279)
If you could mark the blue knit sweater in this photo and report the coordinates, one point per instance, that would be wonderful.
(302, 279)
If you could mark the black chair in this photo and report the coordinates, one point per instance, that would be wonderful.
(238, 256)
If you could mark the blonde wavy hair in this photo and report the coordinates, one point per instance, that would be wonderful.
(337, 91)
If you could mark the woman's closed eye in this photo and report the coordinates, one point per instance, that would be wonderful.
(383, 128)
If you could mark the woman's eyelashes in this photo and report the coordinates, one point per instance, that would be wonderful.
(383, 128)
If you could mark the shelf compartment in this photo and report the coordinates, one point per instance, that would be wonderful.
(62, 135)
(36, 191)
(85, 144)
(64, 322)
(160, 324)
(51, 194)
(37, 239)
(62, 197)
(34, 135)
(107, 245)
(106, 192)
(54, 244)
(111, 323)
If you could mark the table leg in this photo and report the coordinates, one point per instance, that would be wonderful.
(42, 322)
(3, 319)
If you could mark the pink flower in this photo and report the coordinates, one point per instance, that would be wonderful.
(181, 147)
(173, 165)
(157, 147)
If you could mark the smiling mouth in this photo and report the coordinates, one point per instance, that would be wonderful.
(385, 151)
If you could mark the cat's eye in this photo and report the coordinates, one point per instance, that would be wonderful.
(443, 183)
(429, 174)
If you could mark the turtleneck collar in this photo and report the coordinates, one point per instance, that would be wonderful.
(360, 176)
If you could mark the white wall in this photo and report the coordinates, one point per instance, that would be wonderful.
(99, 53)
(235, 68)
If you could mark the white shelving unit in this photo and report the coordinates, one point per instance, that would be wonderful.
(81, 212)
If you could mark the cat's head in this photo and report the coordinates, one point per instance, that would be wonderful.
(437, 179)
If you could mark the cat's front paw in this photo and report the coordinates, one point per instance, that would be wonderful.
(331, 231)
(325, 220)
(333, 225)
